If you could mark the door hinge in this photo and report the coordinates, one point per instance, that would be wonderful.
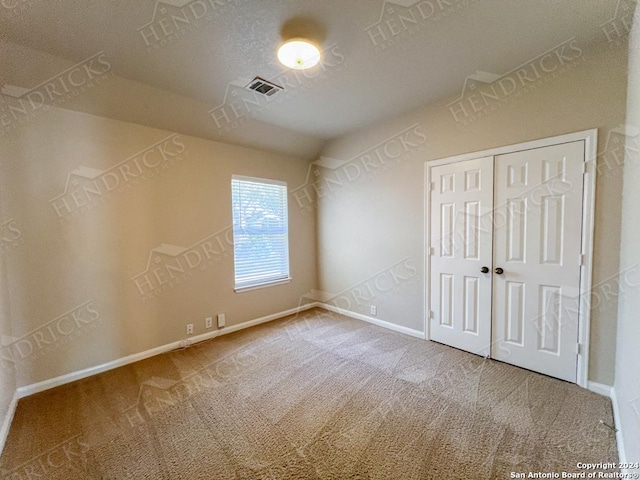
(581, 260)
(430, 314)
(432, 251)
(578, 349)
(584, 168)
(432, 186)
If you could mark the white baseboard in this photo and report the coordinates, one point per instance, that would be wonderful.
(600, 388)
(6, 424)
(267, 318)
(48, 384)
(617, 420)
(27, 390)
(374, 321)
(610, 392)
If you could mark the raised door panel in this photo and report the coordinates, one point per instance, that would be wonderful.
(537, 242)
(461, 237)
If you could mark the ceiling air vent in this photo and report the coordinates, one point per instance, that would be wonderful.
(264, 87)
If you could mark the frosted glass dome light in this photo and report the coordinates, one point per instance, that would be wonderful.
(299, 54)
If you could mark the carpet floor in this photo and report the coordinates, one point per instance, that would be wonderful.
(315, 396)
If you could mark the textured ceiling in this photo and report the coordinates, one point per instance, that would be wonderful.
(381, 58)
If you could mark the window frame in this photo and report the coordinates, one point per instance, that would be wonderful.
(263, 283)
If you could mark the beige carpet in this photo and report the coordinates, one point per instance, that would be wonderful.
(317, 396)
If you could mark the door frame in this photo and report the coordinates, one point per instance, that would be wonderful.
(590, 139)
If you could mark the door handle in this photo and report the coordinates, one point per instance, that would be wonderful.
(499, 271)
(484, 269)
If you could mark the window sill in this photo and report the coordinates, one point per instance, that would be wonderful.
(262, 285)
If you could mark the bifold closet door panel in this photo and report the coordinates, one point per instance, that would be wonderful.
(461, 239)
(537, 242)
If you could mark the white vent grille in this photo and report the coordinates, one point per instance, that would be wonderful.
(264, 87)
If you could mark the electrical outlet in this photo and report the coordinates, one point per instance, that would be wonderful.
(374, 310)
(208, 322)
(221, 320)
(190, 329)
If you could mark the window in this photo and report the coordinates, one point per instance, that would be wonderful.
(260, 232)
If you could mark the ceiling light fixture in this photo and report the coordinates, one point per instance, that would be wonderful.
(299, 54)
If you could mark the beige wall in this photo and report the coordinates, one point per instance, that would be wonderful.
(377, 219)
(7, 370)
(627, 381)
(74, 269)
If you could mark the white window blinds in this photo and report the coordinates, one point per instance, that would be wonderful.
(260, 231)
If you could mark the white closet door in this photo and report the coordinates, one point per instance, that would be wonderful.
(461, 241)
(537, 242)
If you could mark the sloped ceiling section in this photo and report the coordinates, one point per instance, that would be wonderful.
(182, 64)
